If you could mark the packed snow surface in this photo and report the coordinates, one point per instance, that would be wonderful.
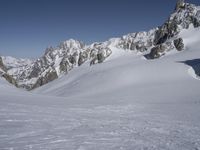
(126, 103)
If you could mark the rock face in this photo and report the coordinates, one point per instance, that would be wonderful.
(178, 43)
(4, 74)
(49, 76)
(60, 60)
(99, 52)
(180, 4)
(83, 57)
(140, 41)
(57, 62)
(10, 79)
(184, 15)
(159, 50)
(2, 65)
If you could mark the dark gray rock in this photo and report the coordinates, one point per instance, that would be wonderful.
(157, 51)
(98, 53)
(168, 30)
(50, 76)
(72, 58)
(195, 22)
(180, 4)
(83, 57)
(35, 71)
(141, 48)
(10, 79)
(5, 75)
(103, 54)
(2, 65)
(65, 66)
(100, 57)
(161, 36)
(179, 45)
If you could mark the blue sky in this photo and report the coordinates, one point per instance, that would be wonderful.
(27, 27)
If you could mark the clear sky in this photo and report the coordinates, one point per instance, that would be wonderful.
(27, 27)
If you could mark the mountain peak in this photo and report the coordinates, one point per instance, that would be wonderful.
(180, 4)
(71, 43)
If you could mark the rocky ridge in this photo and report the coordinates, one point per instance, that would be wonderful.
(5, 75)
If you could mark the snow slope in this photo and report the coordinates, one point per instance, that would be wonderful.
(125, 103)
(130, 75)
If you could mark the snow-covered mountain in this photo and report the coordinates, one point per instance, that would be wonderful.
(59, 60)
(131, 101)
(125, 103)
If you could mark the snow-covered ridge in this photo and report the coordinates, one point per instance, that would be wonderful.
(11, 62)
(69, 54)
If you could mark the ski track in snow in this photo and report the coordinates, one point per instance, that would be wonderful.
(98, 127)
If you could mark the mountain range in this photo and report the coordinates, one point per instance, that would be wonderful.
(136, 92)
(60, 60)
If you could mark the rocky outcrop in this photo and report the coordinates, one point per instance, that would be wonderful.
(165, 32)
(5, 75)
(159, 50)
(83, 57)
(102, 55)
(48, 77)
(185, 14)
(180, 5)
(2, 65)
(67, 64)
(179, 45)
(156, 52)
(10, 79)
(140, 41)
(98, 53)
